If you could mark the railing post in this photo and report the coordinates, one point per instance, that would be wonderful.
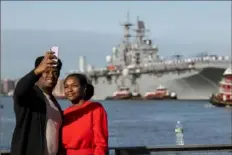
(121, 152)
(132, 151)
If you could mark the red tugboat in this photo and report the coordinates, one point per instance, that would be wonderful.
(124, 93)
(159, 94)
(224, 96)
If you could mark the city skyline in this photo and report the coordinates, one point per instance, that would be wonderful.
(176, 27)
(8, 85)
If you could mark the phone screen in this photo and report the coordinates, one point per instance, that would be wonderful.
(55, 49)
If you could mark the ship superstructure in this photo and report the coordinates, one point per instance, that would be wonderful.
(135, 63)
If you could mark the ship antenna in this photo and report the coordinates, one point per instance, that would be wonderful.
(127, 24)
(128, 16)
(140, 30)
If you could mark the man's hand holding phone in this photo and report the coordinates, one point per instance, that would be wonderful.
(49, 61)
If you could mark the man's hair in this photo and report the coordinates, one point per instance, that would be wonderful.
(39, 59)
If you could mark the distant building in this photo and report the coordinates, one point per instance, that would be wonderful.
(82, 64)
(59, 89)
(7, 85)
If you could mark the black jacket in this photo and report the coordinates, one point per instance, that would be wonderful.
(30, 111)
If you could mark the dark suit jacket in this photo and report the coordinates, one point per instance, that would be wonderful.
(30, 112)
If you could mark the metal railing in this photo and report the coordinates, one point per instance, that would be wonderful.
(167, 150)
(175, 150)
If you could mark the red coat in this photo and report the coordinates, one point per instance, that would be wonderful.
(85, 130)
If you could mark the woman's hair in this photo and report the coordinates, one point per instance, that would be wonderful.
(84, 83)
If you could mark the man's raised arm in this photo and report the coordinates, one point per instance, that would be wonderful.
(26, 83)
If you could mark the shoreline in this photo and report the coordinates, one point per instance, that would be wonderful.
(181, 99)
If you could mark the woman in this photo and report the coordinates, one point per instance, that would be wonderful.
(85, 126)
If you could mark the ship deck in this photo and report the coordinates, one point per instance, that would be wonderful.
(189, 82)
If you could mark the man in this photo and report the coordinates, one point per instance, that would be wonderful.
(38, 115)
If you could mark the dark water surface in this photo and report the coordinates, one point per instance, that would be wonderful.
(133, 123)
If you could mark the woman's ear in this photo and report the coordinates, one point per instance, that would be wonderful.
(89, 91)
(84, 90)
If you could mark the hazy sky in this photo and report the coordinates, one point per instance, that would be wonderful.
(206, 25)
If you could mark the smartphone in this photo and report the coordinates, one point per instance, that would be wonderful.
(55, 49)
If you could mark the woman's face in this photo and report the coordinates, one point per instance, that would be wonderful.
(72, 89)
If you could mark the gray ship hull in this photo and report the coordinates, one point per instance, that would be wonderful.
(189, 85)
(136, 60)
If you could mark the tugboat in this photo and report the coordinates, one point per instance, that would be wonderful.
(124, 93)
(160, 93)
(224, 96)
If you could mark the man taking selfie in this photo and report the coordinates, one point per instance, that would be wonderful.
(38, 115)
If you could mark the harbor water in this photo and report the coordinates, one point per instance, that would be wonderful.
(139, 123)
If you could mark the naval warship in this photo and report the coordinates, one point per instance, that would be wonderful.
(136, 64)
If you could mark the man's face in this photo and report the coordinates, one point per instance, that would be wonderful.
(49, 78)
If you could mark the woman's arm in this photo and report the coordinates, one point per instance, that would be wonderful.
(100, 128)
